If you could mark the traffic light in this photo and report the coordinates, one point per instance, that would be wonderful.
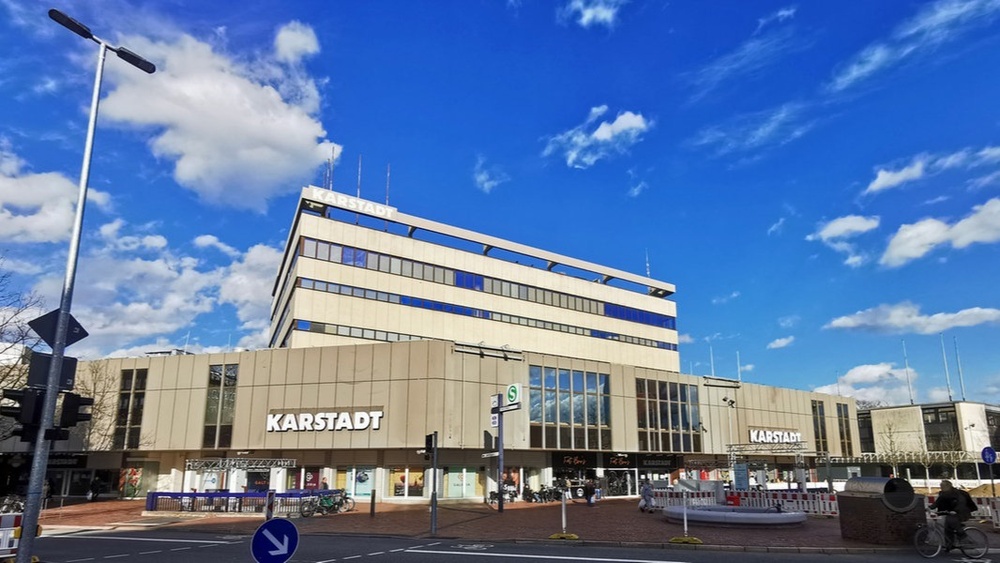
(430, 442)
(71, 414)
(27, 412)
(29, 405)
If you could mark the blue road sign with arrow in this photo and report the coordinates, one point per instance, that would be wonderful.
(989, 455)
(274, 541)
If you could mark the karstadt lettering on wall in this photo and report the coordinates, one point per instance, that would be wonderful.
(774, 437)
(324, 421)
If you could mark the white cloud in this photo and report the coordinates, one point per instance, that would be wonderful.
(229, 126)
(835, 234)
(684, 339)
(247, 286)
(773, 127)
(212, 241)
(885, 179)
(780, 343)
(637, 189)
(788, 321)
(776, 227)
(583, 148)
(906, 318)
(874, 382)
(37, 207)
(593, 12)
(915, 240)
(487, 177)
(725, 298)
(294, 41)
(937, 23)
(779, 16)
(750, 57)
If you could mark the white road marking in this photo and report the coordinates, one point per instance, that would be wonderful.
(150, 552)
(216, 542)
(115, 556)
(376, 553)
(548, 557)
(84, 559)
(181, 548)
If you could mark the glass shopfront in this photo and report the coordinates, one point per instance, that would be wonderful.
(406, 482)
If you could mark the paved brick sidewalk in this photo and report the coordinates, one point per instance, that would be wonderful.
(615, 521)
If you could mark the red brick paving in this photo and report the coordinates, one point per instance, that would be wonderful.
(617, 520)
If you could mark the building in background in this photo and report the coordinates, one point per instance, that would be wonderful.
(387, 327)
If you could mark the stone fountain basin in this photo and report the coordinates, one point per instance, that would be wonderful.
(735, 515)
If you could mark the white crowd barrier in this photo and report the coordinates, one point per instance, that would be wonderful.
(10, 525)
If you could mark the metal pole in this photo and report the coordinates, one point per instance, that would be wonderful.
(500, 488)
(40, 460)
(434, 494)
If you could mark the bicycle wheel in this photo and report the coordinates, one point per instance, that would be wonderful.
(307, 509)
(928, 542)
(975, 544)
(347, 504)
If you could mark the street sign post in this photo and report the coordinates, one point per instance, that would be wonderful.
(990, 457)
(275, 541)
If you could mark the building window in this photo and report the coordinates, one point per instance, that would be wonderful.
(128, 418)
(568, 409)
(866, 435)
(941, 429)
(668, 416)
(819, 426)
(220, 405)
(844, 425)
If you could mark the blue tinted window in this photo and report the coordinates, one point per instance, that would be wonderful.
(303, 325)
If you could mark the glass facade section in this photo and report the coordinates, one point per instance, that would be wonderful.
(819, 426)
(844, 425)
(220, 405)
(668, 418)
(941, 429)
(568, 409)
(128, 417)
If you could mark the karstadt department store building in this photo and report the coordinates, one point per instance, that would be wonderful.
(387, 327)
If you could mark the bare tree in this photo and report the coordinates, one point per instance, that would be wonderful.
(868, 404)
(100, 384)
(16, 337)
(890, 445)
(951, 448)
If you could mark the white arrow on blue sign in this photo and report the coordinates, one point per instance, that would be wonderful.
(274, 541)
(989, 455)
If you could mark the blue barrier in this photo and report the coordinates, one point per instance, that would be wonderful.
(249, 502)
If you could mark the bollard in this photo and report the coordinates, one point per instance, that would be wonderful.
(269, 506)
(564, 535)
(372, 509)
(685, 538)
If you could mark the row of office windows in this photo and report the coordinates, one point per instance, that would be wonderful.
(441, 306)
(321, 250)
(353, 331)
(568, 409)
(668, 416)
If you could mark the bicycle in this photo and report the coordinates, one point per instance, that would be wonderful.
(930, 539)
(12, 504)
(336, 501)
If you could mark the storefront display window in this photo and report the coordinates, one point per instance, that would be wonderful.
(357, 481)
(406, 482)
(461, 482)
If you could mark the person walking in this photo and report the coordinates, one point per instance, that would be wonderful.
(588, 492)
(323, 484)
(646, 492)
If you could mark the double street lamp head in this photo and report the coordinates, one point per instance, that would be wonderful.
(84, 31)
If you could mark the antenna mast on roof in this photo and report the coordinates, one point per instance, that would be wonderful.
(388, 169)
(357, 216)
(328, 177)
(906, 363)
(958, 360)
(947, 376)
(648, 275)
(739, 367)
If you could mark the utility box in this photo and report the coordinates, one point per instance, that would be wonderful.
(879, 510)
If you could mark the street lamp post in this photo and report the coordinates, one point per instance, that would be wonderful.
(40, 460)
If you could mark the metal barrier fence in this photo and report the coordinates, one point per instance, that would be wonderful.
(239, 503)
(9, 537)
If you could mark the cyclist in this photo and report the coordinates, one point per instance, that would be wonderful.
(951, 504)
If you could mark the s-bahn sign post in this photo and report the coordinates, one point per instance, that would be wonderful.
(513, 396)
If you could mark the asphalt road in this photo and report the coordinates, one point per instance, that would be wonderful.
(155, 546)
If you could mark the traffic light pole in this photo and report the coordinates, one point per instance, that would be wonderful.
(434, 485)
(500, 485)
(33, 502)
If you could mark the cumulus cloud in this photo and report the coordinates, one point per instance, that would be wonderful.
(585, 144)
(37, 207)
(885, 179)
(906, 318)
(229, 126)
(913, 241)
(684, 339)
(780, 343)
(212, 241)
(935, 24)
(587, 13)
(247, 286)
(881, 382)
(836, 234)
(487, 177)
